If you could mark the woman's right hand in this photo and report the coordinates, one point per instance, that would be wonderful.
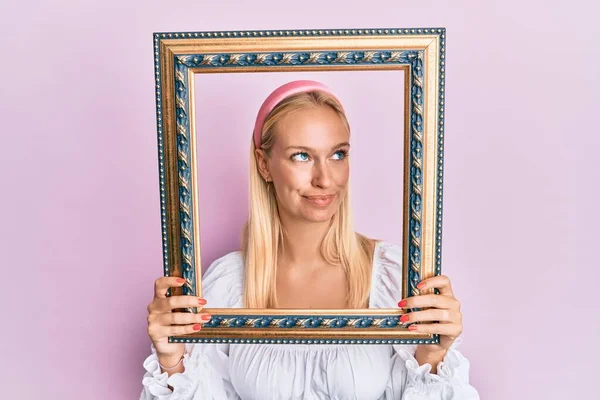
(162, 322)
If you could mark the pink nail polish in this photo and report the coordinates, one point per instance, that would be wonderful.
(402, 303)
(196, 327)
(180, 280)
(404, 318)
(413, 328)
(420, 285)
(201, 302)
(206, 317)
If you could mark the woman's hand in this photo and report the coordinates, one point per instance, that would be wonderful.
(445, 309)
(163, 323)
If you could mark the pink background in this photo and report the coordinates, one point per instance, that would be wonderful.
(81, 236)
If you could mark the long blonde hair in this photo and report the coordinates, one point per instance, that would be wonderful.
(262, 235)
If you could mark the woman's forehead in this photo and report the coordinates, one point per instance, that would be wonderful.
(318, 128)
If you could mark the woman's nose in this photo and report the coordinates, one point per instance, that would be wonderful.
(321, 175)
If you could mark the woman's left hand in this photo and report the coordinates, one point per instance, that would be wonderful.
(445, 308)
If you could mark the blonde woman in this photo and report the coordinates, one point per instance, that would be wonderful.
(300, 251)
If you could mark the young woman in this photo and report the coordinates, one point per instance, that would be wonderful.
(300, 251)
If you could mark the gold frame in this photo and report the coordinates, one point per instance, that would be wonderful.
(178, 56)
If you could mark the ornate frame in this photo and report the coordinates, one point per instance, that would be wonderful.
(418, 51)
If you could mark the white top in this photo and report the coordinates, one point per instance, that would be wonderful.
(307, 371)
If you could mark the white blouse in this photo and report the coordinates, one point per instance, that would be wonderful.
(307, 371)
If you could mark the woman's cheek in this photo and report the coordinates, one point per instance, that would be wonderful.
(294, 179)
(342, 176)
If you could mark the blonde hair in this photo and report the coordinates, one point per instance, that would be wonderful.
(262, 235)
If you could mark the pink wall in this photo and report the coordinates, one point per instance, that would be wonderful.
(81, 234)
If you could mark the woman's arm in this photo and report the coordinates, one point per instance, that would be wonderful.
(440, 314)
(204, 371)
(175, 361)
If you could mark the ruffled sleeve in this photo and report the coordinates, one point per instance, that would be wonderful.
(386, 277)
(206, 373)
(411, 381)
(408, 379)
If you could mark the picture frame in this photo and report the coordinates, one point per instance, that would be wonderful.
(420, 52)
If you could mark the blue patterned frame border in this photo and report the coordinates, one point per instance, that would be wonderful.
(179, 248)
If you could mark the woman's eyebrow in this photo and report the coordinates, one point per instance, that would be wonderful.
(337, 146)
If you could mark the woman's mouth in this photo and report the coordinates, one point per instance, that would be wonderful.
(320, 201)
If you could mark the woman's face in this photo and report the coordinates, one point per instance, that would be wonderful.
(308, 164)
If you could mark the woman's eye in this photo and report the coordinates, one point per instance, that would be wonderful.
(340, 155)
(300, 157)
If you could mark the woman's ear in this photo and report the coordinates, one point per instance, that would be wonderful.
(263, 164)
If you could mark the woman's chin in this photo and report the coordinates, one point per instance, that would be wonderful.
(318, 215)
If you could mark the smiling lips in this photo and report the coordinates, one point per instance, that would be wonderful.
(320, 201)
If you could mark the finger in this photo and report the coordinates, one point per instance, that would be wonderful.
(434, 314)
(158, 332)
(182, 318)
(430, 300)
(441, 282)
(170, 303)
(161, 285)
(452, 330)
(177, 330)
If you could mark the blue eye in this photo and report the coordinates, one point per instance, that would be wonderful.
(303, 155)
(342, 153)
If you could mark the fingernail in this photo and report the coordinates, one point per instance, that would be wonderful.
(206, 317)
(402, 303)
(197, 327)
(201, 302)
(404, 318)
(413, 328)
(180, 280)
(420, 285)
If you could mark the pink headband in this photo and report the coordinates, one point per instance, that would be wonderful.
(281, 93)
